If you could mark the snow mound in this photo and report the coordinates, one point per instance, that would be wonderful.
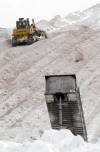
(23, 111)
(58, 22)
(89, 17)
(52, 141)
(44, 25)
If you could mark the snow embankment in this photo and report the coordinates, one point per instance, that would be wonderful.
(52, 141)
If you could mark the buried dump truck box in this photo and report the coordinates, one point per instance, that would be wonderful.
(64, 104)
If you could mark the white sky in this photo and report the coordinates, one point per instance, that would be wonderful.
(10, 10)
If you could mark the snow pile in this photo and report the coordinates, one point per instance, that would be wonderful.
(89, 17)
(23, 111)
(52, 141)
(44, 25)
(58, 22)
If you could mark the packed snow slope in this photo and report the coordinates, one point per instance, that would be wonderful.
(23, 111)
(52, 141)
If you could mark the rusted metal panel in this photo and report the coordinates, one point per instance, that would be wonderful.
(62, 84)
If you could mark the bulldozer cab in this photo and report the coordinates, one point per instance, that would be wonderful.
(26, 32)
(22, 23)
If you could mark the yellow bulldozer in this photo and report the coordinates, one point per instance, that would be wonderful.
(26, 33)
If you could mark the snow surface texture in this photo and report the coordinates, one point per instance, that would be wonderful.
(89, 17)
(23, 111)
(52, 141)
